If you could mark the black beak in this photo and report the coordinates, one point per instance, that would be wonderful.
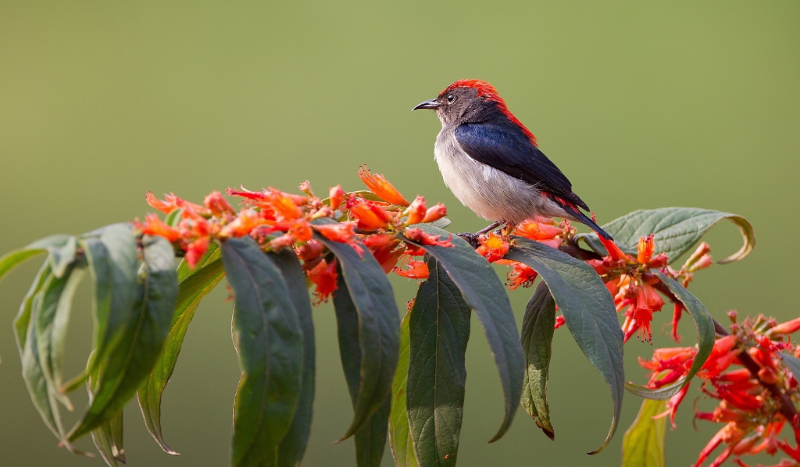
(431, 104)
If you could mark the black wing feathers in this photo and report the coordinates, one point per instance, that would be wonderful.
(508, 149)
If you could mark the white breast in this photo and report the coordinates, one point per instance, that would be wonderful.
(489, 192)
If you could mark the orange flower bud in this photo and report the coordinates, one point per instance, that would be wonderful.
(381, 187)
(417, 270)
(785, 328)
(243, 224)
(155, 226)
(341, 233)
(217, 204)
(435, 213)
(416, 212)
(284, 241)
(336, 196)
(305, 187)
(417, 235)
(369, 215)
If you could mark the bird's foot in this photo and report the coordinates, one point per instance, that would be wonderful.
(471, 238)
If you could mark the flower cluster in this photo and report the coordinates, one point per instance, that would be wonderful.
(378, 219)
(748, 377)
(634, 287)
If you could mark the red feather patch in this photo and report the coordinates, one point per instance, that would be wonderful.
(488, 92)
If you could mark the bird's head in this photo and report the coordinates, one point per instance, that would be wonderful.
(464, 101)
(471, 101)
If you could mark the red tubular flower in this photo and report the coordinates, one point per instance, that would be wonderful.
(560, 321)
(540, 230)
(155, 226)
(416, 212)
(787, 327)
(368, 214)
(324, 277)
(341, 233)
(613, 250)
(492, 247)
(196, 250)
(416, 270)
(172, 203)
(243, 224)
(435, 213)
(417, 235)
(217, 204)
(520, 276)
(336, 196)
(381, 187)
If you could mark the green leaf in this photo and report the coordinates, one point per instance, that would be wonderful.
(108, 440)
(643, 443)
(399, 435)
(43, 395)
(194, 286)
(588, 310)
(14, 258)
(50, 326)
(676, 231)
(293, 445)
(140, 339)
(484, 293)
(112, 257)
(704, 325)
(792, 363)
(270, 345)
(437, 373)
(537, 339)
(378, 322)
(370, 438)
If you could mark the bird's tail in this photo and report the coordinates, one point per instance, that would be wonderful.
(572, 210)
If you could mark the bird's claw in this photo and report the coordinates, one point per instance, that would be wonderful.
(471, 238)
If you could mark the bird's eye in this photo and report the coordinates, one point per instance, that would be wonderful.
(450, 98)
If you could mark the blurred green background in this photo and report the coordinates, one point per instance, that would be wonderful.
(642, 104)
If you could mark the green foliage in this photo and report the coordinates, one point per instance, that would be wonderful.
(537, 339)
(484, 293)
(589, 312)
(643, 443)
(675, 229)
(407, 382)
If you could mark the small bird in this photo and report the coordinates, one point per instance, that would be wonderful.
(493, 164)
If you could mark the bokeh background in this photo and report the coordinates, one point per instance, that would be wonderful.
(642, 104)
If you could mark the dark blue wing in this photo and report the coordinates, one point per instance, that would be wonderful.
(509, 150)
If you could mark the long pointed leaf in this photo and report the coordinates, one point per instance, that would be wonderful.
(51, 327)
(197, 283)
(270, 345)
(437, 373)
(370, 438)
(139, 340)
(108, 440)
(484, 293)
(293, 445)
(589, 312)
(537, 339)
(675, 229)
(43, 395)
(643, 443)
(378, 326)
(399, 435)
(704, 324)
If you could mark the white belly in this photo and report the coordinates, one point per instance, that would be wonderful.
(489, 192)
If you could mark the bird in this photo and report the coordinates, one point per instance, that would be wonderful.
(492, 163)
